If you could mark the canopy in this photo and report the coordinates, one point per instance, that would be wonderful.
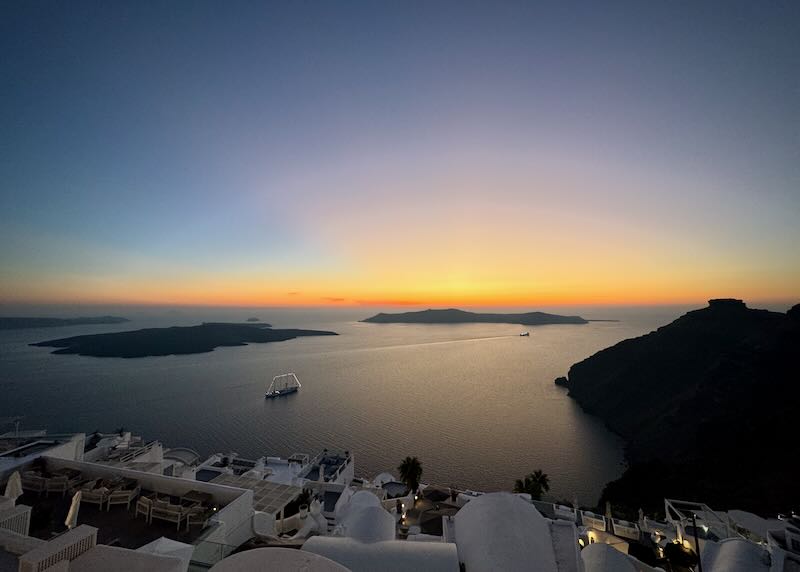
(72, 516)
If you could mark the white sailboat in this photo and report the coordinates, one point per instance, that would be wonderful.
(283, 384)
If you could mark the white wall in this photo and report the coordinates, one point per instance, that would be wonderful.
(71, 450)
(235, 516)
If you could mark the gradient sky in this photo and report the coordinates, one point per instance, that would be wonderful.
(399, 152)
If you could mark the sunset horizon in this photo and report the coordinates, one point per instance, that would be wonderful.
(409, 286)
(291, 157)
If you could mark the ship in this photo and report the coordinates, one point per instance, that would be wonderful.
(281, 385)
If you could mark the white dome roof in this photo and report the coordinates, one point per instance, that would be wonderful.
(389, 556)
(500, 531)
(734, 555)
(369, 524)
(352, 501)
(269, 559)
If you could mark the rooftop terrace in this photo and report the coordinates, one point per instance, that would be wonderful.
(267, 496)
(117, 527)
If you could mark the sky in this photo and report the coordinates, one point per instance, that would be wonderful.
(382, 153)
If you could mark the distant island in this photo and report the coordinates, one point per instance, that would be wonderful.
(453, 316)
(253, 319)
(248, 324)
(707, 405)
(174, 340)
(8, 323)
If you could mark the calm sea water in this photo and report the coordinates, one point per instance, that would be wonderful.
(476, 403)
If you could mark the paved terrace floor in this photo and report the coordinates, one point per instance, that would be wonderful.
(427, 514)
(117, 527)
(267, 496)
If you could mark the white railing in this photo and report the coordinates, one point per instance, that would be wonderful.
(136, 452)
(565, 512)
(18, 543)
(596, 521)
(16, 519)
(625, 529)
(68, 546)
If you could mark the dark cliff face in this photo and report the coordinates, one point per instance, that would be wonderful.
(710, 399)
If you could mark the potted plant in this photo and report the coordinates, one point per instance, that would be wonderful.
(304, 499)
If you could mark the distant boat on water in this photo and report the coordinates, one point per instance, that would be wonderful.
(524, 334)
(283, 384)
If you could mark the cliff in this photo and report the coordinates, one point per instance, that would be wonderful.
(707, 405)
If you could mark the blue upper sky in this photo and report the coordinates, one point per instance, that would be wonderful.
(222, 144)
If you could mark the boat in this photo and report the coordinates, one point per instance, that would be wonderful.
(283, 384)
(525, 334)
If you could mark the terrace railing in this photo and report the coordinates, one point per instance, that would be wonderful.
(625, 529)
(68, 547)
(137, 451)
(16, 519)
(596, 521)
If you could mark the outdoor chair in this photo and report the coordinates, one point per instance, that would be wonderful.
(86, 486)
(33, 482)
(198, 515)
(96, 496)
(163, 510)
(57, 484)
(143, 506)
(123, 496)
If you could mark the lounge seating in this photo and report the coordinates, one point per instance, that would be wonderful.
(57, 484)
(198, 515)
(143, 506)
(163, 510)
(96, 496)
(35, 482)
(123, 496)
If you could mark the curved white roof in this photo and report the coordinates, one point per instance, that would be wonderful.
(734, 555)
(343, 500)
(352, 501)
(183, 454)
(270, 559)
(600, 557)
(369, 524)
(383, 478)
(388, 556)
(500, 531)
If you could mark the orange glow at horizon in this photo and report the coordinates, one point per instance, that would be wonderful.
(436, 241)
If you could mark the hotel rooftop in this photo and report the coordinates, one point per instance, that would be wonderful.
(117, 502)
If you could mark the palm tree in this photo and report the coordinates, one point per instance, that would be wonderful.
(535, 484)
(410, 472)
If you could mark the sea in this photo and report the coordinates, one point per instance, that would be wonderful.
(476, 403)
